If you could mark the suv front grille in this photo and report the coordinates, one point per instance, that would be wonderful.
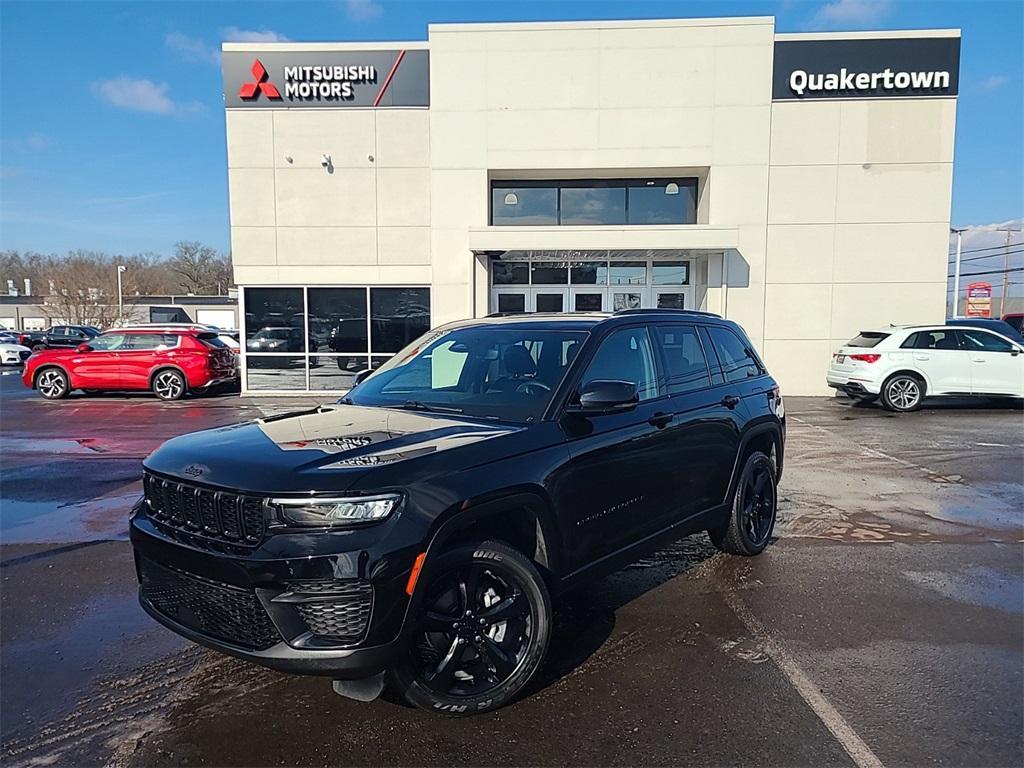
(221, 611)
(218, 515)
(337, 611)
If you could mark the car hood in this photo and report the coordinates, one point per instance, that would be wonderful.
(13, 347)
(326, 449)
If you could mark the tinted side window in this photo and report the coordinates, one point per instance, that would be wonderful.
(686, 368)
(108, 342)
(931, 340)
(626, 355)
(982, 341)
(149, 341)
(737, 363)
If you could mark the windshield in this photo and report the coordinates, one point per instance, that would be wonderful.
(485, 371)
(278, 334)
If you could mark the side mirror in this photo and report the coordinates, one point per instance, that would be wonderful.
(83, 348)
(362, 376)
(607, 396)
(1014, 352)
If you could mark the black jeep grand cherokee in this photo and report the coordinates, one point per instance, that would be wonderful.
(417, 529)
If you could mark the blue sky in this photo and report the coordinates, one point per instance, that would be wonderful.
(112, 126)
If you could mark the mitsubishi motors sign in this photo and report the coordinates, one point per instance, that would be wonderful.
(306, 78)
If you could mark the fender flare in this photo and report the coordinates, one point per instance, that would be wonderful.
(756, 431)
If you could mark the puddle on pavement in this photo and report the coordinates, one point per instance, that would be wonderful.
(981, 586)
(38, 522)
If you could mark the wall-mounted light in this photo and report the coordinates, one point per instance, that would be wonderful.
(511, 199)
(289, 159)
(671, 188)
(325, 161)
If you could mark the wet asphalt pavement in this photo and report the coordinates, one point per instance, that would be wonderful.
(884, 626)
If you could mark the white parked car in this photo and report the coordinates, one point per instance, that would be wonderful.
(903, 365)
(13, 354)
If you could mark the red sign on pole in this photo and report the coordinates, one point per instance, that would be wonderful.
(979, 300)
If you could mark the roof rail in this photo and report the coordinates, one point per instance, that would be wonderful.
(654, 310)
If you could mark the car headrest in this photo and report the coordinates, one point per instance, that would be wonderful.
(518, 362)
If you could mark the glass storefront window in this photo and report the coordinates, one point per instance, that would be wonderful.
(275, 372)
(588, 206)
(594, 202)
(670, 273)
(628, 273)
(510, 273)
(336, 372)
(511, 302)
(337, 319)
(346, 327)
(274, 308)
(663, 201)
(549, 273)
(398, 315)
(524, 206)
(589, 273)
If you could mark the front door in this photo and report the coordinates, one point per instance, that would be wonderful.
(100, 368)
(618, 472)
(139, 356)
(997, 366)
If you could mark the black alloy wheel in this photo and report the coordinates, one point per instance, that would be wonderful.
(482, 631)
(749, 527)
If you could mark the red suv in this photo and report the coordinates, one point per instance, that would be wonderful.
(169, 361)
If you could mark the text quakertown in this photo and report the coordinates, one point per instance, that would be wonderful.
(326, 82)
(801, 81)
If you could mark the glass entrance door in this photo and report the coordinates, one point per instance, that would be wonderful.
(552, 299)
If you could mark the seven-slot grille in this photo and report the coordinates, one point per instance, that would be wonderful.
(222, 611)
(219, 515)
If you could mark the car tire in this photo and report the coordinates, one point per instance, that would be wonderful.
(754, 507)
(169, 384)
(52, 383)
(459, 661)
(902, 392)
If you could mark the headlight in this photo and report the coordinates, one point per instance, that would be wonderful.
(322, 512)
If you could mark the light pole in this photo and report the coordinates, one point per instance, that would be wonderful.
(956, 271)
(120, 304)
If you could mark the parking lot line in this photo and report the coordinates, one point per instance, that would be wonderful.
(855, 747)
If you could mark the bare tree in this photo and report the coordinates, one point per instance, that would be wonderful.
(199, 268)
(82, 290)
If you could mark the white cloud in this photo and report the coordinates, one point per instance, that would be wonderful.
(32, 142)
(363, 10)
(991, 235)
(140, 95)
(993, 82)
(236, 35)
(848, 13)
(191, 48)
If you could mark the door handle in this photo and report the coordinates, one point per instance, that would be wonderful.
(661, 420)
(730, 401)
(922, 357)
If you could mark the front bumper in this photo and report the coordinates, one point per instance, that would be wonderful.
(254, 604)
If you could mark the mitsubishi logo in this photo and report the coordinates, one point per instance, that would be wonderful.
(261, 82)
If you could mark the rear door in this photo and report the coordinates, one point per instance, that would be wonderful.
(997, 365)
(702, 436)
(141, 354)
(939, 355)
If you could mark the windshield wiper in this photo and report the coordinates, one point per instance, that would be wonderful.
(416, 405)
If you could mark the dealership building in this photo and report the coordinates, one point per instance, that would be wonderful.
(799, 184)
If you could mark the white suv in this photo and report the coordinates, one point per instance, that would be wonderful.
(903, 365)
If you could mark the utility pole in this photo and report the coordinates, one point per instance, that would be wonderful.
(1006, 267)
(956, 270)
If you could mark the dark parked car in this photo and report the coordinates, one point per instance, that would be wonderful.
(989, 324)
(59, 337)
(1015, 320)
(416, 531)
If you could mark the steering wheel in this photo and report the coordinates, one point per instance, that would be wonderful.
(531, 387)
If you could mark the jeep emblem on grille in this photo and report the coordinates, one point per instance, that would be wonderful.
(194, 470)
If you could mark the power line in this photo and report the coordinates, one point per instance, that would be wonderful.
(986, 256)
(990, 272)
(989, 248)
